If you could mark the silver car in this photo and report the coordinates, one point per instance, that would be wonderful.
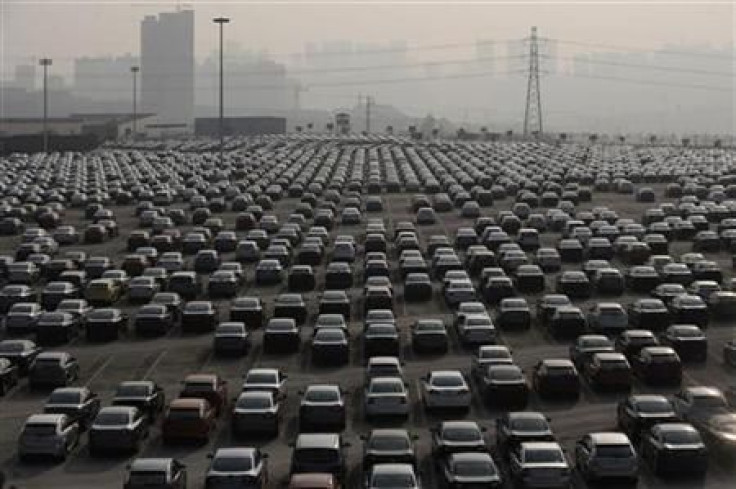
(539, 464)
(386, 396)
(392, 476)
(256, 411)
(606, 456)
(54, 435)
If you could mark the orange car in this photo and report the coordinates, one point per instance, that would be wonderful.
(207, 386)
(314, 481)
(188, 419)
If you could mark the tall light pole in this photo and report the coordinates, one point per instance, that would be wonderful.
(45, 62)
(222, 21)
(134, 70)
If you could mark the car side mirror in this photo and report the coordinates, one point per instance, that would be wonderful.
(363, 437)
(210, 456)
(301, 392)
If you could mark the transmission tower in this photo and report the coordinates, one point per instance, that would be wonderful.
(533, 112)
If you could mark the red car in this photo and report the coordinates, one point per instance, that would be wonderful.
(188, 419)
(207, 386)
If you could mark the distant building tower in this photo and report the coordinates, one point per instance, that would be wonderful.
(167, 67)
(342, 123)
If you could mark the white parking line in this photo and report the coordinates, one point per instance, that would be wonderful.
(154, 364)
(99, 370)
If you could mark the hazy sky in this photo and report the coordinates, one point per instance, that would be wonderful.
(67, 29)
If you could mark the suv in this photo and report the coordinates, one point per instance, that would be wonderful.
(319, 452)
(48, 434)
(606, 456)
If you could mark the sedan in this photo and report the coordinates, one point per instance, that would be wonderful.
(330, 346)
(556, 377)
(445, 389)
(606, 456)
(322, 408)
(386, 396)
(457, 436)
(471, 470)
(269, 379)
(687, 340)
(429, 335)
(392, 476)
(539, 464)
(505, 385)
(21, 353)
(79, 403)
(105, 324)
(231, 338)
(389, 446)
(22, 318)
(256, 411)
(199, 316)
(244, 466)
(206, 386)
(675, 447)
(146, 395)
(118, 428)
(513, 428)
(639, 412)
(8, 375)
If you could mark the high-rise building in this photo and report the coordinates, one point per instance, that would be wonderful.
(167, 66)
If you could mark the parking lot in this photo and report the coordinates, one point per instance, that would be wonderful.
(169, 358)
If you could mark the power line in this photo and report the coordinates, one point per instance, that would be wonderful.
(630, 49)
(712, 88)
(694, 71)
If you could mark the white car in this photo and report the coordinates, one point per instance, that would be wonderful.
(477, 329)
(459, 291)
(266, 379)
(539, 464)
(383, 367)
(386, 396)
(446, 389)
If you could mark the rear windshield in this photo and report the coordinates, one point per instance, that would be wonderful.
(248, 402)
(232, 464)
(112, 418)
(184, 414)
(132, 390)
(394, 480)
(614, 451)
(543, 456)
(40, 429)
(153, 479)
(317, 455)
(64, 398)
(474, 468)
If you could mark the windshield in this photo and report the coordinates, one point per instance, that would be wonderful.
(112, 418)
(543, 456)
(261, 378)
(232, 464)
(393, 481)
(254, 402)
(387, 387)
(132, 391)
(317, 455)
(65, 398)
(387, 442)
(199, 386)
(40, 429)
(474, 468)
(446, 381)
(681, 437)
(11, 347)
(529, 424)
(614, 451)
(145, 479)
(322, 395)
(461, 434)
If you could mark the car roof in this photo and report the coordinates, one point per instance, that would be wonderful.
(246, 452)
(151, 464)
(200, 378)
(470, 457)
(459, 424)
(45, 418)
(318, 440)
(610, 438)
(312, 481)
(393, 469)
(187, 403)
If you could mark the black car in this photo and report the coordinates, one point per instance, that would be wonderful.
(514, 428)
(281, 335)
(631, 341)
(514, 312)
(116, 429)
(153, 319)
(330, 346)
(389, 446)
(21, 353)
(674, 447)
(649, 314)
(57, 327)
(417, 287)
(335, 302)
(505, 385)
(105, 324)
(381, 339)
(322, 408)
(689, 309)
(657, 365)
(588, 345)
(457, 436)
(8, 375)
(301, 279)
(688, 340)
(567, 322)
(146, 395)
(319, 452)
(172, 301)
(290, 306)
(429, 335)
(639, 412)
(248, 310)
(53, 369)
(556, 377)
(79, 403)
(199, 317)
(231, 338)
(574, 284)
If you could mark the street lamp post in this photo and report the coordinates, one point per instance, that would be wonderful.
(45, 62)
(221, 21)
(134, 70)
